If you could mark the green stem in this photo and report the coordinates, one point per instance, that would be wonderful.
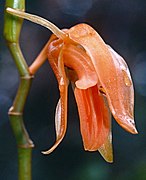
(24, 143)
(12, 29)
(16, 114)
(22, 138)
(18, 58)
(24, 163)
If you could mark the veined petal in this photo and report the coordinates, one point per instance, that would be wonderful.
(94, 117)
(61, 109)
(115, 81)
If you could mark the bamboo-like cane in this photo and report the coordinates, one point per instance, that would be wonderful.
(12, 29)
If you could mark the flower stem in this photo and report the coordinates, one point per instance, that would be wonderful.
(38, 20)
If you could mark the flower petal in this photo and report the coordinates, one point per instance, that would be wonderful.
(106, 149)
(61, 109)
(94, 117)
(77, 59)
(114, 80)
(125, 94)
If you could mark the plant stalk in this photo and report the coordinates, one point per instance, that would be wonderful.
(12, 29)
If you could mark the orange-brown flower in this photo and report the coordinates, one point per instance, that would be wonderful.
(100, 79)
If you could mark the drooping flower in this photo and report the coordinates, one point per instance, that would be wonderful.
(100, 79)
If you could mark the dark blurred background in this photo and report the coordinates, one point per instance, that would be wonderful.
(122, 24)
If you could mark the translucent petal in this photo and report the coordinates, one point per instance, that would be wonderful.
(61, 109)
(106, 150)
(58, 118)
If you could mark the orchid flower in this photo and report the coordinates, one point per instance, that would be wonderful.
(100, 79)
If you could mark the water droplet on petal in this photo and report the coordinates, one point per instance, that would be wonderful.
(127, 80)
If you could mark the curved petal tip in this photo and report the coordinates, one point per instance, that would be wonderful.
(130, 128)
(127, 123)
(53, 147)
